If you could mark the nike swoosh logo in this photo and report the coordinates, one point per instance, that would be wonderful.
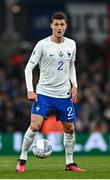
(51, 55)
(70, 117)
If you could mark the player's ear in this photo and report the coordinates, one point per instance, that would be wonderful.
(51, 26)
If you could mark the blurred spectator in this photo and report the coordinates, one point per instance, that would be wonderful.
(2, 17)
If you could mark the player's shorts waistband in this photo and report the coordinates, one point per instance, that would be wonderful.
(50, 97)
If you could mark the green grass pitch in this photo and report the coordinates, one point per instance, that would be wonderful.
(97, 167)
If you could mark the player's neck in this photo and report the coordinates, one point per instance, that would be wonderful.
(56, 39)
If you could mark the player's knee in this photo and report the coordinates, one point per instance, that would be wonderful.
(69, 130)
(35, 127)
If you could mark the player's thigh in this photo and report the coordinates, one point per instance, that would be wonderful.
(41, 106)
(39, 111)
(65, 110)
(69, 127)
(36, 122)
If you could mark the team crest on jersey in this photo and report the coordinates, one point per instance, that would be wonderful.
(69, 53)
(60, 53)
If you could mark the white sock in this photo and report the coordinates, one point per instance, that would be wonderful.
(27, 141)
(69, 142)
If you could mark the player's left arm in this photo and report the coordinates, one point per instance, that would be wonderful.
(73, 79)
(73, 83)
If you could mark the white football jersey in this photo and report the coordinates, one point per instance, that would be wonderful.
(54, 61)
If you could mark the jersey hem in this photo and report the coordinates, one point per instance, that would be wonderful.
(50, 95)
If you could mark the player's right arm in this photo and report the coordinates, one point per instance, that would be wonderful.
(33, 61)
(29, 81)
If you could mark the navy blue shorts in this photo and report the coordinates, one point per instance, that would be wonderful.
(63, 107)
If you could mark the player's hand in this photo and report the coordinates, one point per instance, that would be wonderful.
(74, 94)
(32, 96)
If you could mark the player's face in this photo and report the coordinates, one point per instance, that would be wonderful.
(58, 27)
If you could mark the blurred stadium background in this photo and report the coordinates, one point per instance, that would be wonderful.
(22, 24)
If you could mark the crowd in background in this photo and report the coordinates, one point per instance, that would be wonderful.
(93, 74)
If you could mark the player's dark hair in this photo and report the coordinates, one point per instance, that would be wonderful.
(60, 16)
